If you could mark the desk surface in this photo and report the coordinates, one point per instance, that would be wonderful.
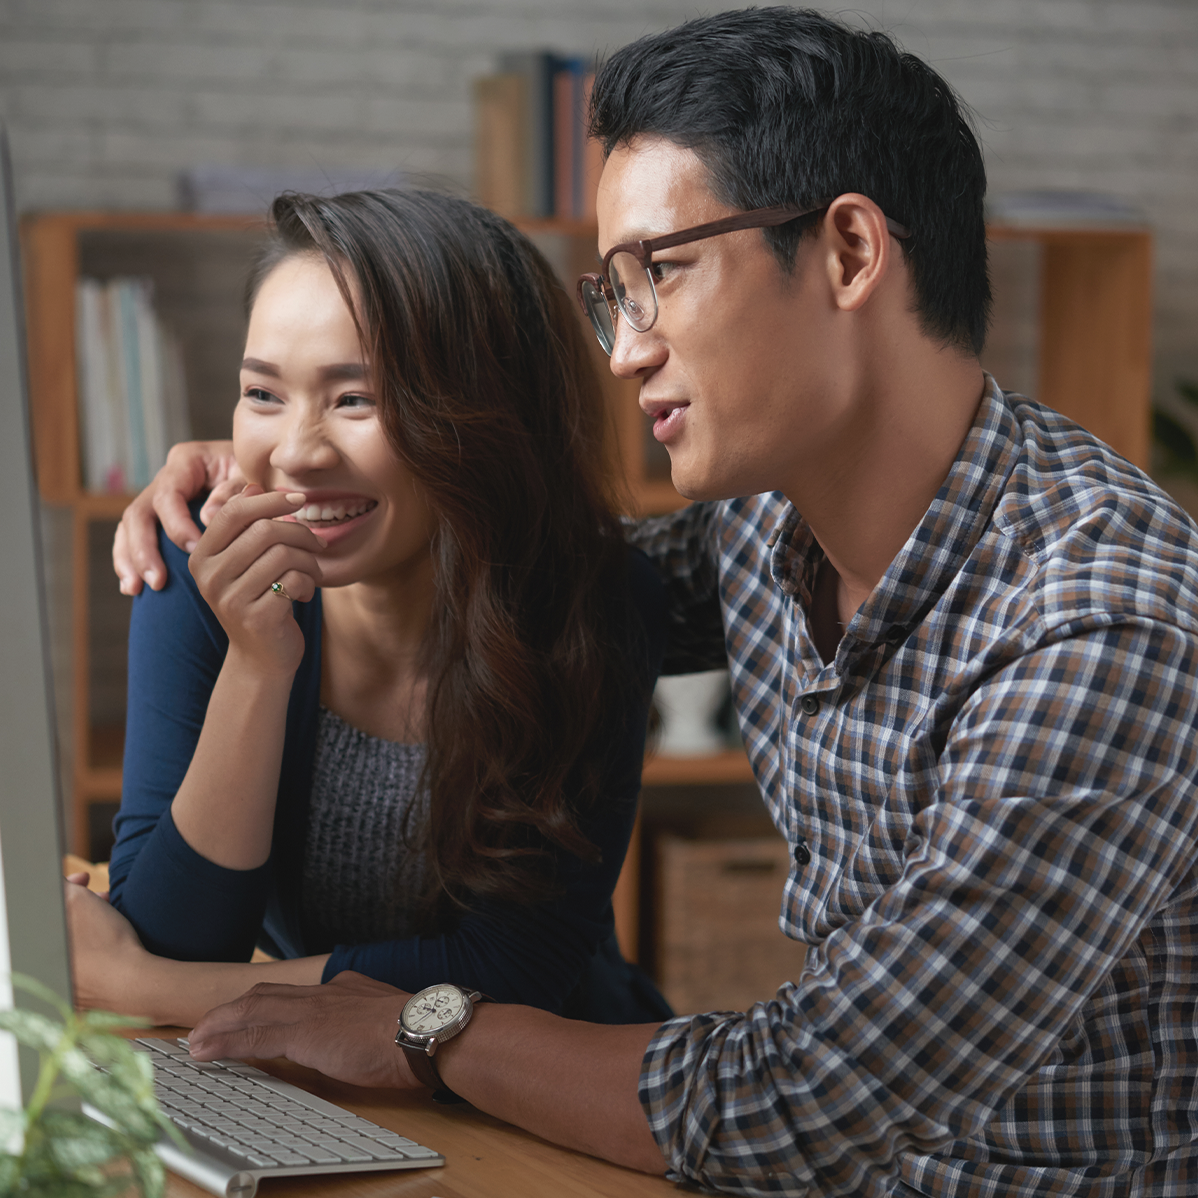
(484, 1157)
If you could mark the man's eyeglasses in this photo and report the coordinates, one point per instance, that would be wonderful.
(626, 283)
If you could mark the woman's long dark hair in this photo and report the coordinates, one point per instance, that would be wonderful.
(488, 396)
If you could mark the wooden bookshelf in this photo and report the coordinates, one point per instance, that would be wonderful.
(1095, 343)
(194, 260)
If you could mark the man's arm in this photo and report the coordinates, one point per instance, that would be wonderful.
(570, 1082)
(191, 468)
(683, 547)
(912, 1025)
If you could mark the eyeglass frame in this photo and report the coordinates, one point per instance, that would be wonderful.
(644, 249)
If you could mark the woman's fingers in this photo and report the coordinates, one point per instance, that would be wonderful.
(220, 495)
(251, 506)
(245, 571)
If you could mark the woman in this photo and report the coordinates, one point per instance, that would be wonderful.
(393, 718)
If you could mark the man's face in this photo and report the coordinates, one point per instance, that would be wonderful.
(737, 371)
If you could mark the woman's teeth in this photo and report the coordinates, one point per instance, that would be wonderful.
(316, 512)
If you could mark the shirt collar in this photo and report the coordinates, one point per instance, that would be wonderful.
(935, 551)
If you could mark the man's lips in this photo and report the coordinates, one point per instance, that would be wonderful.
(666, 416)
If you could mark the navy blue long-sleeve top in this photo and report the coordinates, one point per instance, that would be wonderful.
(557, 954)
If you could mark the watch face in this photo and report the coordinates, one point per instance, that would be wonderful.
(433, 1009)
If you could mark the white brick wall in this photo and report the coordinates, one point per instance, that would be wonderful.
(106, 100)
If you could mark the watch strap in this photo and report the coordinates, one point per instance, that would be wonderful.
(425, 1070)
(426, 1074)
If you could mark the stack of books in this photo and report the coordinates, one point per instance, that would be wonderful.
(532, 153)
(132, 395)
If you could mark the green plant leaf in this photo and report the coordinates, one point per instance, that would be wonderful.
(113, 1101)
(22, 981)
(9, 1165)
(150, 1172)
(132, 1069)
(99, 1021)
(31, 1029)
(11, 1122)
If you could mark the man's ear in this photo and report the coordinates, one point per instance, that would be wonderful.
(859, 249)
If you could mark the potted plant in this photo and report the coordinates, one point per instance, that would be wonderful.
(48, 1151)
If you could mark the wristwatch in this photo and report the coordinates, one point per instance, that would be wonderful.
(436, 1014)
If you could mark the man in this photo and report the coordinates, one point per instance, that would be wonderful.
(962, 640)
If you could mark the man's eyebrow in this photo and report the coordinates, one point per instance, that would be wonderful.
(337, 372)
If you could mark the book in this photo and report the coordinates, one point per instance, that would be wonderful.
(132, 395)
(532, 154)
(592, 154)
(500, 143)
(101, 438)
(536, 67)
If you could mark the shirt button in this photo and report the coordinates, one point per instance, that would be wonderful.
(810, 705)
(802, 853)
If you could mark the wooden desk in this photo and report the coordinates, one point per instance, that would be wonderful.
(484, 1157)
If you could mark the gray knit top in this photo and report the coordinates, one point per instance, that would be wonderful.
(363, 868)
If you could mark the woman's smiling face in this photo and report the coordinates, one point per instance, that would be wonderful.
(308, 420)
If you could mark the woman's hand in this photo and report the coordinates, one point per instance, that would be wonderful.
(245, 551)
(191, 468)
(108, 962)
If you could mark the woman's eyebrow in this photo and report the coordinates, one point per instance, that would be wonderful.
(259, 367)
(337, 372)
(343, 371)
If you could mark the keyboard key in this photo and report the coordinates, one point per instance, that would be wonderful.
(389, 1137)
(387, 1152)
(291, 1158)
(167, 1046)
(322, 1156)
(261, 1162)
(419, 1153)
(362, 1144)
(243, 1070)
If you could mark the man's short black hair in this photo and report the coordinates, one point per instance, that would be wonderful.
(786, 106)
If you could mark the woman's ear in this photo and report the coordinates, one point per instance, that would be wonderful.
(859, 249)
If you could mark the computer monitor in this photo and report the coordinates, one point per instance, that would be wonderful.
(32, 921)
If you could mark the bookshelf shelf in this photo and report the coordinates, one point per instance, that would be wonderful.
(730, 766)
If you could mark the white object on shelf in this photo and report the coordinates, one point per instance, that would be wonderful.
(249, 190)
(1050, 208)
(689, 704)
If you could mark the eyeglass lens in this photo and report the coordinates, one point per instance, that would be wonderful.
(600, 315)
(634, 290)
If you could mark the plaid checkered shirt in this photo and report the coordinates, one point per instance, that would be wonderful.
(990, 797)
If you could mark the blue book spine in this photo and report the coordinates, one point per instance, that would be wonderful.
(139, 465)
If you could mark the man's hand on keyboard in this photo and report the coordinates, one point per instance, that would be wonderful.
(345, 1028)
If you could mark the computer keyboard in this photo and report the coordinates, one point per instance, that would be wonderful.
(244, 1125)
